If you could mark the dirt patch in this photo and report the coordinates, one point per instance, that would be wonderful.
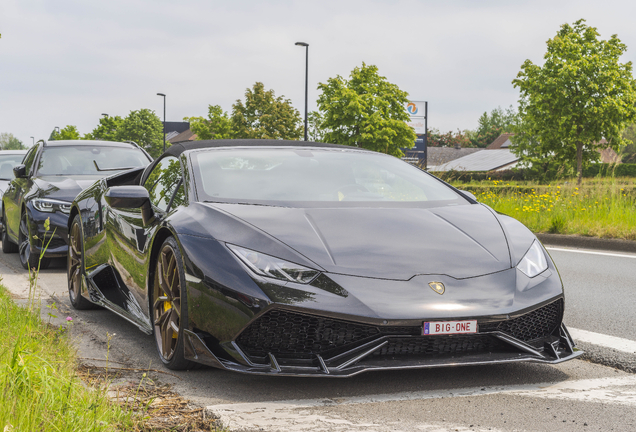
(158, 406)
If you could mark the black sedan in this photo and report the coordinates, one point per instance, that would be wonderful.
(294, 258)
(50, 176)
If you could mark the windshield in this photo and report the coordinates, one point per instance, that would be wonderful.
(7, 162)
(89, 160)
(288, 176)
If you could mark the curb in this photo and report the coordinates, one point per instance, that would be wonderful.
(576, 241)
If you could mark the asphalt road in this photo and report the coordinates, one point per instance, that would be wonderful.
(573, 396)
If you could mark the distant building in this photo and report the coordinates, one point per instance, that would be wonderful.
(185, 136)
(497, 156)
(502, 141)
(482, 160)
(175, 128)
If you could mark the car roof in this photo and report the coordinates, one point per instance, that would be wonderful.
(10, 152)
(60, 143)
(178, 148)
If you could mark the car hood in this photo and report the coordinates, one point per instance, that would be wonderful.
(64, 188)
(387, 243)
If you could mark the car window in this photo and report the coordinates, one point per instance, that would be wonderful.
(7, 162)
(316, 175)
(28, 159)
(89, 160)
(162, 182)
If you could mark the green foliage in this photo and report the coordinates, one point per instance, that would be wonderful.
(144, 128)
(9, 142)
(217, 126)
(628, 153)
(315, 127)
(449, 139)
(263, 115)
(39, 383)
(580, 95)
(600, 170)
(366, 111)
(107, 129)
(492, 125)
(68, 133)
(610, 170)
(599, 207)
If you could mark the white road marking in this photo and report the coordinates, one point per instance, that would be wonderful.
(619, 344)
(590, 252)
(306, 415)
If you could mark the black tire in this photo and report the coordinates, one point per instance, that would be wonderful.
(7, 245)
(169, 307)
(75, 266)
(27, 259)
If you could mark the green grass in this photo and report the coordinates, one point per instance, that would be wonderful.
(601, 207)
(38, 381)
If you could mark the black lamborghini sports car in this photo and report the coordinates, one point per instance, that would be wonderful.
(295, 258)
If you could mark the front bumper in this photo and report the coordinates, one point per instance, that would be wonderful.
(57, 233)
(525, 338)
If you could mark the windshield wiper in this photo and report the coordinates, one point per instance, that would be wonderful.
(111, 169)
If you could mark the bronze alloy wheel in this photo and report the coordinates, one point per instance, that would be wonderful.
(167, 311)
(75, 266)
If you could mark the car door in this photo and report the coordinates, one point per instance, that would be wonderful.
(14, 194)
(129, 238)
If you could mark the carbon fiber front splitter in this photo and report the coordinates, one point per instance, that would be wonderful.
(559, 348)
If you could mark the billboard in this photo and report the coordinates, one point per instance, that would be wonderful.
(417, 111)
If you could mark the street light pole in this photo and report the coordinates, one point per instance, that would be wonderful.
(306, 45)
(105, 115)
(164, 120)
(33, 140)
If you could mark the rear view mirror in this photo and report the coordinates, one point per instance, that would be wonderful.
(130, 197)
(19, 171)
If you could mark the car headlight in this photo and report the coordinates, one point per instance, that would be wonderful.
(269, 266)
(534, 261)
(51, 205)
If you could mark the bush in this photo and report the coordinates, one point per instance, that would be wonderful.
(537, 175)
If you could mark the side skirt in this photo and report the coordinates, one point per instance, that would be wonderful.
(97, 297)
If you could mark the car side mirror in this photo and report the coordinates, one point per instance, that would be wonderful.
(468, 194)
(131, 197)
(19, 171)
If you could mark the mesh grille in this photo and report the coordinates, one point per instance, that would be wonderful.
(537, 324)
(294, 335)
(288, 333)
(441, 345)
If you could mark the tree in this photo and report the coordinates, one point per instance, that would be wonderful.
(9, 142)
(68, 133)
(493, 125)
(218, 125)
(263, 115)
(628, 153)
(144, 128)
(106, 130)
(315, 127)
(366, 111)
(448, 139)
(580, 95)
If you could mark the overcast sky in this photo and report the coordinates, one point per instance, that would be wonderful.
(68, 61)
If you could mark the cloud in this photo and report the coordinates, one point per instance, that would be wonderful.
(68, 61)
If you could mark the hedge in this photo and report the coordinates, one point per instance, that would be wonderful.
(600, 169)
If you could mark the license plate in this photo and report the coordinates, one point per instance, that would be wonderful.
(449, 327)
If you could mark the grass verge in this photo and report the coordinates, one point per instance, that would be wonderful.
(601, 207)
(40, 388)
